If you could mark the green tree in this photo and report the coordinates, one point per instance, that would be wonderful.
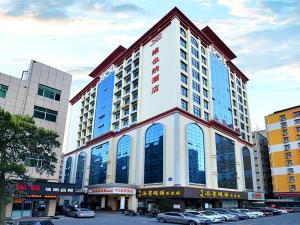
(21, 141)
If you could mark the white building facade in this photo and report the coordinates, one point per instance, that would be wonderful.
(166, 118)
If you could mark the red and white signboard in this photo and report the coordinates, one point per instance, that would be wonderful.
(112, 190)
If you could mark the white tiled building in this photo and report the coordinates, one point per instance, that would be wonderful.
(170, 115)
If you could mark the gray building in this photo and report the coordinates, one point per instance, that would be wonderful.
(42, 92)
(262, 162)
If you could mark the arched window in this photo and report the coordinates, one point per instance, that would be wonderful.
(247, 168)
(123, 158)
(80, 170)
(196, 154)
(68, 170)
(153, 170)
(99, 160)
(226, 166)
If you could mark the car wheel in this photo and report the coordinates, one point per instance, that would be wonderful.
(162, 220)
(192, 223)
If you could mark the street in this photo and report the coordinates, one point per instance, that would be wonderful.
(105, 218)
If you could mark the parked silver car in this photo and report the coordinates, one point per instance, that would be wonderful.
(81, 212)
(227, 216)
(183, 218)
(31, 221)
(209, 215)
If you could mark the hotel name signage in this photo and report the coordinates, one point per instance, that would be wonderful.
(155, 74)
(187, 192)
(112, 190)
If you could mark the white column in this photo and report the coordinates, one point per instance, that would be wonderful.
(102, 202)
(122, 203)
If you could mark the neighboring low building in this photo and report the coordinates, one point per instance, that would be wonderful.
(283, 129)
(262, 163)
(43, 93)
(167, 118)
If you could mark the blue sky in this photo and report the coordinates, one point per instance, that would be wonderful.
(75, 36)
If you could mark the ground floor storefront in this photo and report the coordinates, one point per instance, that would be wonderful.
(182, 198)
(37, 199)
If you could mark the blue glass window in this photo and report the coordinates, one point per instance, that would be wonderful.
(103, 108)
(98, 167)
(182, 43)
(196, 86)
(183, 66)
(183, 79)
(80, 170)
(205, 92)
(205, 103)
(204, 81)
(68, 170)
(183, 91)
(153, 170)
(221, 95)
(204, 71)
(123, 159)
(195, 74)
(203, 59)
(196, 154)
(196, 98)
(203, 50)
(196, 111)
(182, 32)
(226, 163)
(195, 52)
(206, 116)
(247, 168)
(194, 41)
(195, 63)
(183, 54)
(184, 105)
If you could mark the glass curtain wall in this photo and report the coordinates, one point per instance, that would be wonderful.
(80, 170)
(247, 168)
(153, 170)
(68, 170)
(99, 160)
(226, 166)
(196, 154)
(123, 159)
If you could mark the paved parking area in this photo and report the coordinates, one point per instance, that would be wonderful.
(105, 218)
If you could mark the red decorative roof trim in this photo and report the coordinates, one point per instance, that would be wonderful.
(218, 43)
(107, 62)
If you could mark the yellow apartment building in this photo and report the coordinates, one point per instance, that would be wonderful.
(283, 128)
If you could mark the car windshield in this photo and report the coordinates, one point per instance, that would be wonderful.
(194, 213)
(84, 209)
(36, 222)
(208, 213)
(220, 212)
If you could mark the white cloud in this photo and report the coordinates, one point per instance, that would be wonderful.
(29, 26)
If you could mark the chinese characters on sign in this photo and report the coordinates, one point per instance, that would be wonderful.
(112, 191)
(155, 70)
(159, 193)
(218, 194)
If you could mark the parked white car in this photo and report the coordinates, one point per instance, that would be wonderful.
(257, 213)
(209, 215)
(283, 211)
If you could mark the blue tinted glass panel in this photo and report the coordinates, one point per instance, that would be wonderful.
(195, 138)
(226, 162)
(247, 168)
(123, 159)
(103, 109)
(80, 170)
(153, 170)
(220, 91)
(98, 168)
(68, 170)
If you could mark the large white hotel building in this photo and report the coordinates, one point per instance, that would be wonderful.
(165, 120)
